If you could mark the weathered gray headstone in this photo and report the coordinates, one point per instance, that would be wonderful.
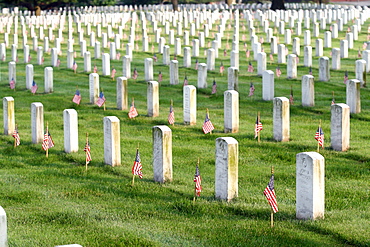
(308, 90)
(70, 130)
(226, 174)
(29, 76)
(190, 104)
(310, 186)
(340, 127)
(268, 85)
(8, 115)
(281, 119)
(324, 70)
(148, 68)
(122, 93)
(112, 141)
(361, 71)
(231, 111)
(202, 75)
(162, 154)
(48, 80)
(353, 99)
(37, 122)
(94, 87)
(174, 72)
(3, 228)
(153, 99)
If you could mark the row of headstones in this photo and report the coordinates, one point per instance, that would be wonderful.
(340, 120)
(310, 176)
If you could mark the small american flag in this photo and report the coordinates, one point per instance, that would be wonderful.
(222, 68)
(243, 37)
(225, 52)
(87, 150)
(95, 69)
(251, 90)
(271, 57)
(74, 66)
(3, 58)
(74, 54)
(113, 73)
(214, 87)
(359, 53)
(196, 64)
(58, 63)
(16, 136)
(77, 97)
(160, 76)
(29, 58)
(319, 136)
(135, 74)
(34, 87)
(207, 125)
(345, 77)
(118, 56)
(250, 67)
(155, 58)
(364, 45)
(257, 127)
(278, 71)
(333, 101)
(47, 142)
(171, 116)
(310, 71)
(186, 82)
(42, 60)
(261, 40)
(269, 192)
(133, 112)
(198, 181)
(12, 83)
(297, 59)
(101, 99)
(137, 167)
(17, 59)
(348, 29)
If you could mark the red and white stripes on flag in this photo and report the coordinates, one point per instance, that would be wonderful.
(137, 167)
(47, 142)
(87, 150)
(12, 83)
(198, 181)
(113, 73)
(171, 116)
(319, 136)
(133, 112)
(269, 192)
(207, 125)
(16, 137)
(77, 97)
(257, 127)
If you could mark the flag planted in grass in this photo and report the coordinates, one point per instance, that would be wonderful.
(214, 87)
(12, 83)
(278, 71)
(95, 69)
(250, 67)
(171, 115)
(77, 97)
(251, 89)
(345, 77)
(17, 138)
(319, 136)
(137, 167)
(198, 181)
(160, 77)
(101, 99)
(48, 141)
(257, 127)
(74, 66)
(269, 192)
(133, 112)
(135, 74)
(291, 98)
(186, 82)
(34, 87)
(87, 151)
(113, 73)
(207, 125)
(222, 68)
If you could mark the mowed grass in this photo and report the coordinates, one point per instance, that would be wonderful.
(52, 201)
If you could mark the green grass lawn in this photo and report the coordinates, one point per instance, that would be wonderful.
(52, 201)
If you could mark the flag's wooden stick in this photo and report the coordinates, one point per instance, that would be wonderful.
(195, 186)
(87, 141)
(172, 110)
(209, 119)
(272, 212)
(258, 122)
(133, 176)
(15, 140)
(47, 132)
(318, 143)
